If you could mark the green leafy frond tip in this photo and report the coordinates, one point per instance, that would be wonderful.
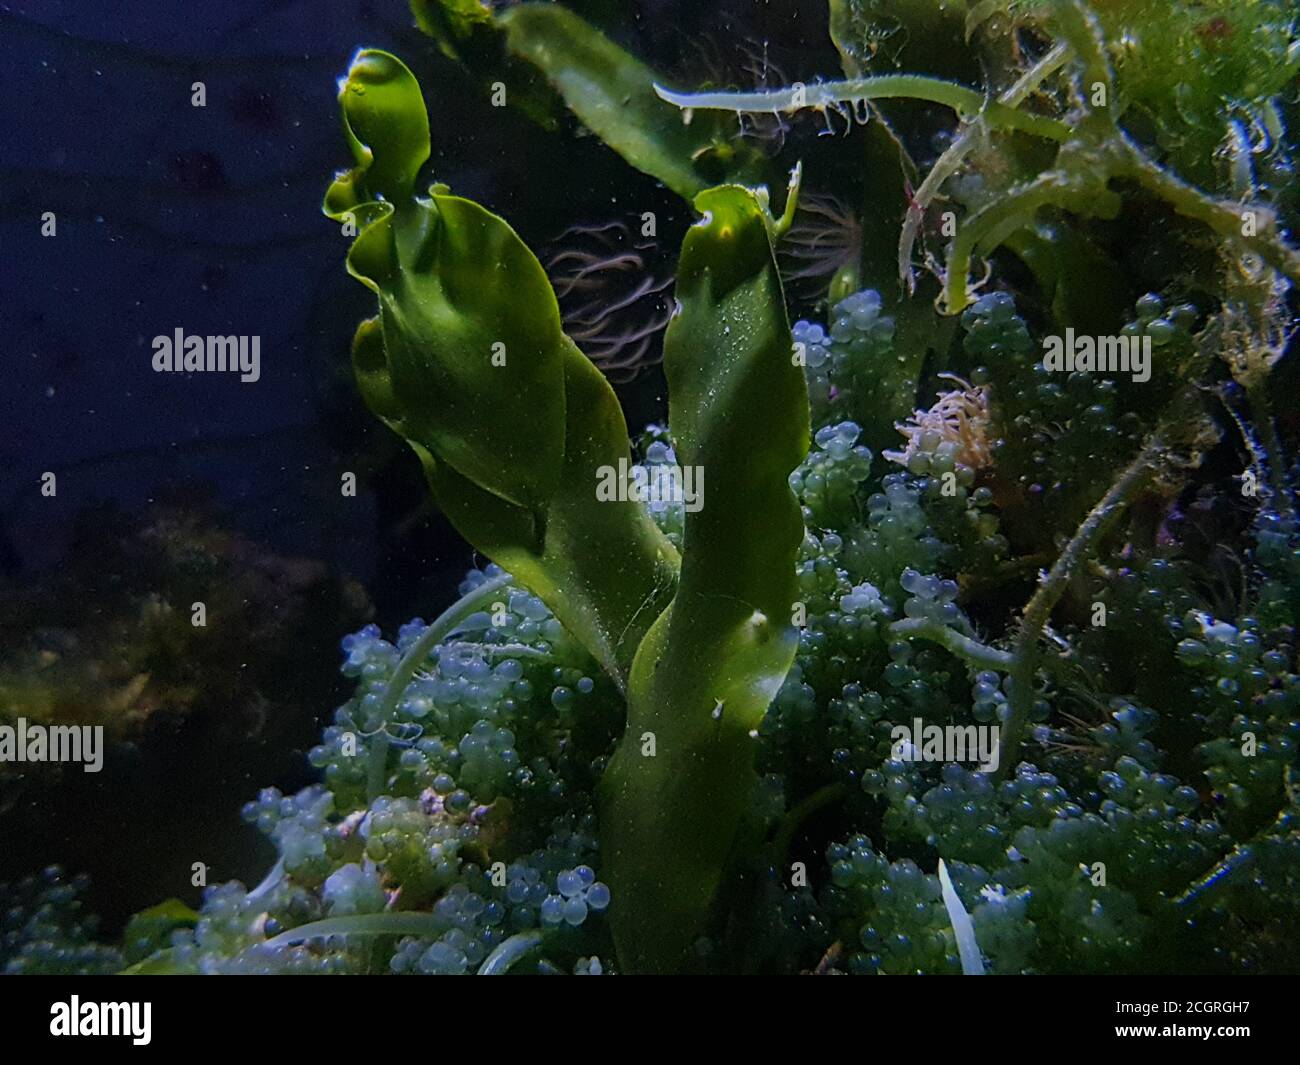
(468, 335)
(387, 128)
(777, 225)
(451, 22)
(709, 667)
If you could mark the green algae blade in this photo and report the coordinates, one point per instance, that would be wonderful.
(467, 31)
(468, 362)
(467, 313)
(453, 24)
(163, 963)
(607, 88)
(149, 931)
(613, 94)
(716, 657)
(603, 566)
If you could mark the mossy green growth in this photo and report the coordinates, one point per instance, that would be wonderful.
(1218, 61)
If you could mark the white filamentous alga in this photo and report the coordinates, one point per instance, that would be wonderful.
(963, 928)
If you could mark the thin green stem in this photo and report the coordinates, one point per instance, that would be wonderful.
(442, 627)
(1081, 31)
(818, 800)
(1025, 651)
(965, 101)
(952, 158)
(514, 650)
(1227, 218)
(781, 226)
(965, 647)
(1077, 190)
(362, 924)
(1272, 454)
(1224, 874)
(377, 764)
(506, 954)
(273, 877)
(1242, 858)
